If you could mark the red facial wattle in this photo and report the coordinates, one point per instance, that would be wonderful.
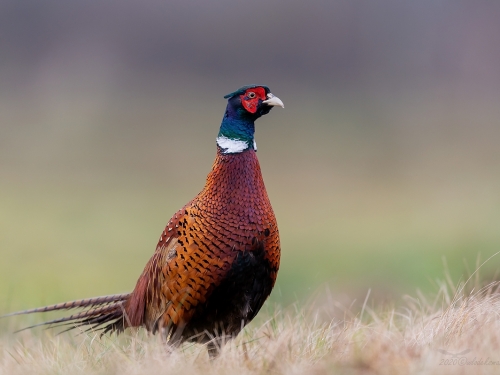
(251, 103)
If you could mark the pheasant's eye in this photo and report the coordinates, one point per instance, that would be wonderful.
(251, 95)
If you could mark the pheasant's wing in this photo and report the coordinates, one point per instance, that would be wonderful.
(189, 263)
(200, 260)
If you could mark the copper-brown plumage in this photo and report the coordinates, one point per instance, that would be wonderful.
(230, 218)
(217, 260)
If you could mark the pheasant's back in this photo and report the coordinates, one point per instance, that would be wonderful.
(218, 257)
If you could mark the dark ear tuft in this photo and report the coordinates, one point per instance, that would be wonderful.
(241, 90)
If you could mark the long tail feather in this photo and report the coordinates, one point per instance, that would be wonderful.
(81, 303)
(105, 313)
(76, 317)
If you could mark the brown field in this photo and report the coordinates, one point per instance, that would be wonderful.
(455, 332)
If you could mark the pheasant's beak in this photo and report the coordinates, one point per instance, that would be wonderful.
(273, 101)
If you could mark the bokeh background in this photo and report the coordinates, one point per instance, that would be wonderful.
(383, 167)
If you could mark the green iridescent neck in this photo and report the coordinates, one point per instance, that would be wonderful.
(236, 132)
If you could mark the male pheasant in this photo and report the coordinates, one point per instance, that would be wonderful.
(216, 261)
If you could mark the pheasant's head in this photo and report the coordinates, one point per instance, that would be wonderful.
(244, 106)
(253, 101)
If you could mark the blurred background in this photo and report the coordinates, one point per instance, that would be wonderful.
(383, 169)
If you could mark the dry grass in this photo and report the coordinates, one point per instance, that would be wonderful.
(419, 337)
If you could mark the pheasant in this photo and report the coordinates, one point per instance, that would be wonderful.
(217, 260)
